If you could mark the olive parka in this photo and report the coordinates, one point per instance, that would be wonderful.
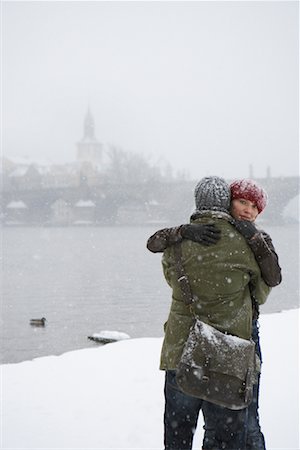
(223, 277)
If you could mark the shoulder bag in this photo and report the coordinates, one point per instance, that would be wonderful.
(214, 366)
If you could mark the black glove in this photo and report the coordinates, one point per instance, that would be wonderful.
(246, 228)
(201, 233)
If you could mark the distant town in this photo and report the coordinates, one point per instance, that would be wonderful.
(104, 185)
(107, 186)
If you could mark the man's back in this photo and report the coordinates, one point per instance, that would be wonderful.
(220, 278)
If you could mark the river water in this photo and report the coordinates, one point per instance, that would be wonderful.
(85, 280)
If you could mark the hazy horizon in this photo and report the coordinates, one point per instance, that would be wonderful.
(209, 87)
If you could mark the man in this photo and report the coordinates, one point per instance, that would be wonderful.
(220, 281)
(248, 200)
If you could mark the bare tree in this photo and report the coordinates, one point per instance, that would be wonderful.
(128, 167)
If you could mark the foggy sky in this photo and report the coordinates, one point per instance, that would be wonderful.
(210, 87)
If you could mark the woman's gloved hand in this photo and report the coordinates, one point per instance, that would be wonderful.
(205, 234)
(246, 228)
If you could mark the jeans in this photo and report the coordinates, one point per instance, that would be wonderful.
(225, 429)
(255, 438)
(228, 427)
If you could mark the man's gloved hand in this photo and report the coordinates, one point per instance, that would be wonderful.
(246, 228)
(205, 234)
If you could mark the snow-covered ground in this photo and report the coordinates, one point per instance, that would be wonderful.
(111, 397)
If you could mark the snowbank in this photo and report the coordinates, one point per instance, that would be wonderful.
(111, 397)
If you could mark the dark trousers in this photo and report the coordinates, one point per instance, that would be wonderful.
(255, 438)
(225, 428)
(216, 417)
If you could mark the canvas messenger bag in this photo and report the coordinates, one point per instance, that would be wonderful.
(214, 366)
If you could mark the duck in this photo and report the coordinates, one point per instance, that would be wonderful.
(38, 322)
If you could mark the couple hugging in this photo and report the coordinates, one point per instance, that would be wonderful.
(231, 266)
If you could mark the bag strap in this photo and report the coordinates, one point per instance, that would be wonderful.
(182, 277)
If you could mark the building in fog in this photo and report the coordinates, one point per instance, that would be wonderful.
(89, 150)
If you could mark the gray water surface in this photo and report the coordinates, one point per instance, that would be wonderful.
(84, 280)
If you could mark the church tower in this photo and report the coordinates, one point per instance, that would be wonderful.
(89, 149)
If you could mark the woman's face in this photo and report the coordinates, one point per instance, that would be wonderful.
(243, 209)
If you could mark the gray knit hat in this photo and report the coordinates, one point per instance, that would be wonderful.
(212, 194)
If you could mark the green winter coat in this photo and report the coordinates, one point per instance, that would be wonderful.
(221, 277)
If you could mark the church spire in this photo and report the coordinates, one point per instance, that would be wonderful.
(89, 149)
(89, 126)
